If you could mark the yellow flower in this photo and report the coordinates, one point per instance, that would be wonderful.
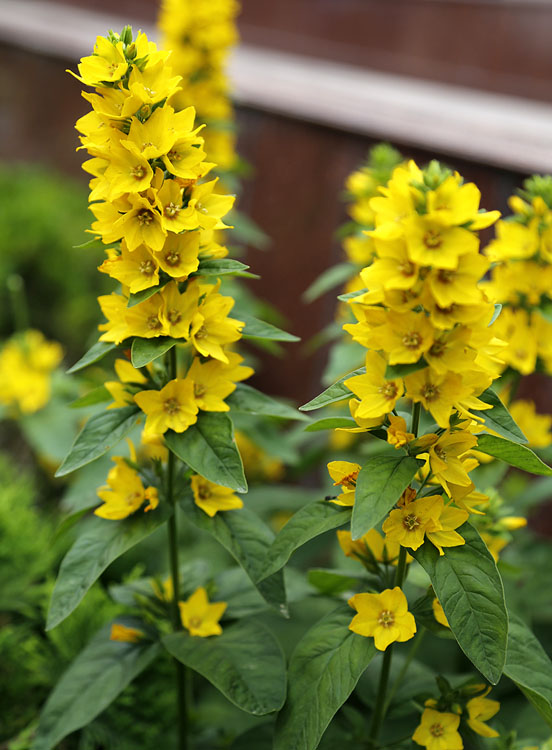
(514, 240)
(443, 534)
(114, 308)
(438, 731)
(381, 550)
(178, 310)
(445, 457)
(211, 329)
(141, 224)
(384, 616)
(408, 525)
(377, 395)
(211, 497)
(125, 634)
(127, 172)
(144, 319)
(537, 428)
(459, 284)
(127, 374)
(439, 613)
(481, 709)
(107, 64)
(215, 380)
(432, 244)
(404, 336)
(124, 493)
(396, 432)
(437, 393)
(344, 474)
(199, 617)
(495, 544)
(172, 408)
(179, 255)
(138, 270)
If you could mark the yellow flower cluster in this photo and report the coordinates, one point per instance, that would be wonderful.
(26, 364)
(521, 277)
(159, 216)
(200, 33)
(147, 164)
(423, 307)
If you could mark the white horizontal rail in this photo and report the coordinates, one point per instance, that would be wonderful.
(507, 131)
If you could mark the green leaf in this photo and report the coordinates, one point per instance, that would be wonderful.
(209, 448)
(145, 294)
(258, 329)
(351, 295)
(496, 313)
(96, 396)
(468, 585)
(329, 279)
(528, 665)
(101, 543)
(380, 483)
(512, 453)
(331, 582)
(330, 423)
(333, 394)
(324, 670)
(224, 266)
(499, 418)
(145, 351)
(100, 433)
(246, 538)
(245, 663)
(94, 354)
(311, 521)
(249, 400)
(95, 678)
(401, 371)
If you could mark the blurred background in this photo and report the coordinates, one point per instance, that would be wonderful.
(316, 83)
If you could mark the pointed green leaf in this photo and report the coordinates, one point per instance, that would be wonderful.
(512, 453)
(222, 267)
(209, 448)
(144, 351)
(101, 543)
(496, 313)
(333, 394)
(94, 354)
(96, 396)
(468, 585)
(311, 521)
(100, 433)
(499, 418)
(258, 329)
(329, 279)
(331, 423)
(380, 483)
(324, 670)
(138, 297)
(95, 678)
(332, 582)
(351, 295)
(246, 538)
(249, 400)
(528, 665)
(245, 663)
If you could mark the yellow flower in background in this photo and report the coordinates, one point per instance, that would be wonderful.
(211, 497)
(124, 634)
(172, 408)
(439, 613)
(385, 617)
(258, 465)
(199, 617)
(128, 376)
(27, 361)
(344, 474)
(124, 493)
(480, 710)
(438, 730)
(537, 428)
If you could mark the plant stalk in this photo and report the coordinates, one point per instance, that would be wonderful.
(181, 703)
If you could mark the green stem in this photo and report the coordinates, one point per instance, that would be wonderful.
(416, 418)
(408, 661)
(181, 704)
(381, 704)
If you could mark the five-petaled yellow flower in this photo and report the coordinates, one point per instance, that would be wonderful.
(385, 617)
(438, 731)
(172, 408)
(199, 617)
(211, 497)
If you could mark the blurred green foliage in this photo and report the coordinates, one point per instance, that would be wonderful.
(42, 217)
